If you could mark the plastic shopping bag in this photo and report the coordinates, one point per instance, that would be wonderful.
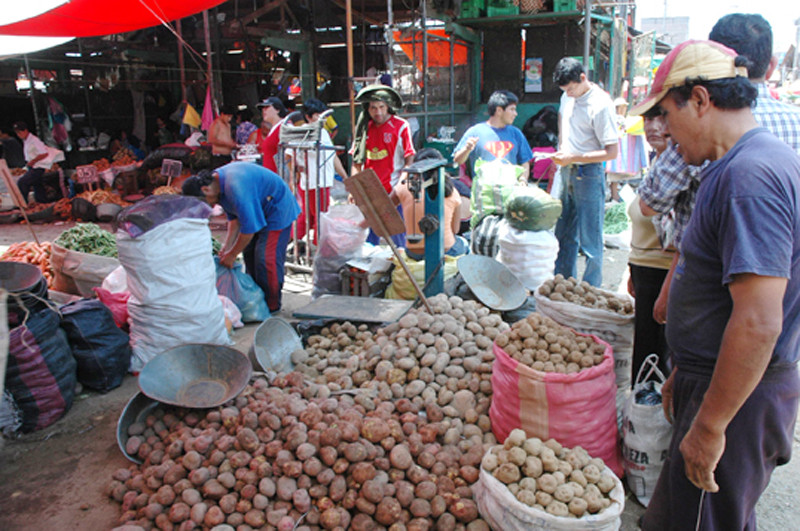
(240, 288)
(646, 434)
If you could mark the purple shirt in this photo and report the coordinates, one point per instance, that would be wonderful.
(746, 220)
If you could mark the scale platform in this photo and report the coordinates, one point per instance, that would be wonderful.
(347, 308)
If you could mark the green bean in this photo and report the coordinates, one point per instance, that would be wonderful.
(88, 238)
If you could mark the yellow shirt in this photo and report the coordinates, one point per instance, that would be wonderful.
(645, 246)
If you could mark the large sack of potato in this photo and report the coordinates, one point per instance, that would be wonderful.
(554, 383)
(593, 311)
(529, 484)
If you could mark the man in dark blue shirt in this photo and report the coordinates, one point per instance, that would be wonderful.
(734, 302)
(260, 209)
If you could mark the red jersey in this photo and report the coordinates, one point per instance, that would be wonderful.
(388, 145)
(269, 147)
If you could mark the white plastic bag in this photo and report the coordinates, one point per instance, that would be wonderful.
(116, 281)
(612, 327)
(503, 512)
(646, 435)
(172, 280)
(530, 255)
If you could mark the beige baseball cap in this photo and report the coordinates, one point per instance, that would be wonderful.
(689, 61)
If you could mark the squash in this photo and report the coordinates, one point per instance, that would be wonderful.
(531, 208)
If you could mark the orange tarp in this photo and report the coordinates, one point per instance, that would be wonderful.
(438, 50)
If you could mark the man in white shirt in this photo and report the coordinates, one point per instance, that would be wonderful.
(35, 164)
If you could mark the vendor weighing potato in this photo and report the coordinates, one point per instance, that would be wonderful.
(260, 209)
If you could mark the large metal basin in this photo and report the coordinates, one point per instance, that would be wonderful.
(196, 375)
(491, 282)
(273, 344)
(136, 410)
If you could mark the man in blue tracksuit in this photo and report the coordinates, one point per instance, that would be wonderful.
(260, 209)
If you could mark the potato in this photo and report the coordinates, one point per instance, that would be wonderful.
(400, 457)
(388, 511)
(465, 510)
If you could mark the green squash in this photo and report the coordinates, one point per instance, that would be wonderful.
(531, 208)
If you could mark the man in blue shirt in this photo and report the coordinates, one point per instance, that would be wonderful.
(734, 303)
(261, 209)
(496, 138)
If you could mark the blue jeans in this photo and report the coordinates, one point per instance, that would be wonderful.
(581, 221)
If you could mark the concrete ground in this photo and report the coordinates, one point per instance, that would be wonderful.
(55, 478)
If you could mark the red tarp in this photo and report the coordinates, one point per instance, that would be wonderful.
(438, 50)
(90, 18)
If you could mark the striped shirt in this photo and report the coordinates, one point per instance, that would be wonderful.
(671, 184)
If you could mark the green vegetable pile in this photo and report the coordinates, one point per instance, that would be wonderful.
(88, 238)
(616, 219)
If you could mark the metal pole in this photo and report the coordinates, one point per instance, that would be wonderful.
(209, 71)
(587, 36)
(425, 69)
(350, 73)
(33, 98)
(390, 35)
(181, 63)
(452, 81)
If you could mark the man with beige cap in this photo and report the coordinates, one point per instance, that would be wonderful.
(734, 303)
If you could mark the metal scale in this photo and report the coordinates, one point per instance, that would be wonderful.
(427, 177)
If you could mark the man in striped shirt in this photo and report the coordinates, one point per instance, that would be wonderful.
(671, 183)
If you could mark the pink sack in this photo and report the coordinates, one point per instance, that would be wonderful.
(577, 409)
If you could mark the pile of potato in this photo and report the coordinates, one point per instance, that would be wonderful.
(581, 292)
(272, 459)
(546, 476)
(444, 359)
(542, 344)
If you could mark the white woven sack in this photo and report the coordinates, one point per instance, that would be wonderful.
(646, 435)
(173, 284)
(530, 255)
(503, 512)
(611, 327)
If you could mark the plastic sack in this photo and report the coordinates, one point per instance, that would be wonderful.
(576, 409)
(612, 327)
(503, 512)
(240, 288)
(341, 239)
(530, 255)
(100, 348)
(401, 286)
(646, 434)
(493, 184)
(172, 280)
(77, 273)
(485, 236)
(156, 210)
(232, 313)
(40, 375)
(117, 303)
(116, 281)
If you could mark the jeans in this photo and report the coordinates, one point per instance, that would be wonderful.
(33, 178)
(581, 221)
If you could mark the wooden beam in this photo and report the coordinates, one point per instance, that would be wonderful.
(269, 6)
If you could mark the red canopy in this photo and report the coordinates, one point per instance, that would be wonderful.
(91, 18)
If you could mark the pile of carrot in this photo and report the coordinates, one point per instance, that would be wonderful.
(31, 253)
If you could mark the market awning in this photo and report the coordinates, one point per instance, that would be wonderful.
(91, 18)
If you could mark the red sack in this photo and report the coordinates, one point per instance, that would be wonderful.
(577, 409)
(117, 303)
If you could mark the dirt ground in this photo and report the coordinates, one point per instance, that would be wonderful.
(55, 478)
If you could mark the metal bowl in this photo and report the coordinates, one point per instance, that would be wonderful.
(273, 344)
(108, 211)
(196, 375)
(491, 282)
(137, 410)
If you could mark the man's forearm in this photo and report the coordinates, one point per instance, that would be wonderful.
(461, 156)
